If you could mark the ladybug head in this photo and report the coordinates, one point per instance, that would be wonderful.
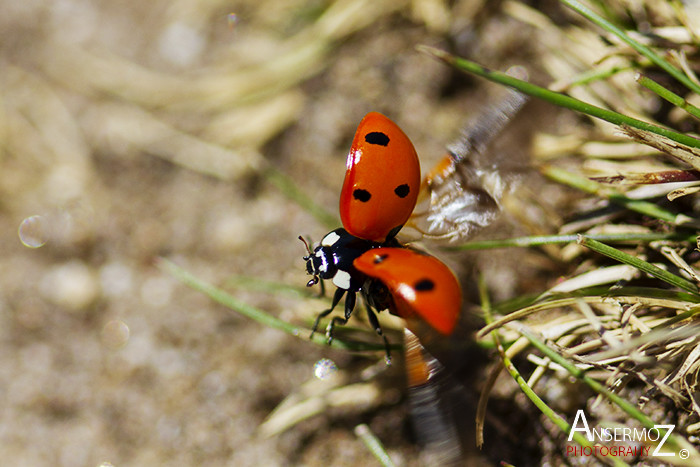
(312, 266)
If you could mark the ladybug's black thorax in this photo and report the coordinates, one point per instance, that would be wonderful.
(333, 259)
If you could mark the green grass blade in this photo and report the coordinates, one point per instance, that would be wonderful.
(522, 307)
(667, 95)
(592, 187)
(594, 75)
(290, 189)
(556, 98)
(640, 48)
(272, 287)
(539, 240)
(266, 319)
(673, 440)
(372, 443)
(555, 418)
(642, 265)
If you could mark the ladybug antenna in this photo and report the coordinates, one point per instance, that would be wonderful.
(306, 244)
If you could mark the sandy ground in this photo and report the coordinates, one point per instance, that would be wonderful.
(138, 130)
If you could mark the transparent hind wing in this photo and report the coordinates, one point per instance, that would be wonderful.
(433, 423)
(455, 207)
(480, 132)
(461, 194)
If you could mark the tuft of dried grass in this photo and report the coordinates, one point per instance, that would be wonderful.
(629, 331)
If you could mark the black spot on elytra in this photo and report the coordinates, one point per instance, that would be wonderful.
(424, 285)
(402, 190)
(361, 195)
(378, 138)
(379, 258)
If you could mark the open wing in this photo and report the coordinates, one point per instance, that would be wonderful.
(461, 194)
(433, 423)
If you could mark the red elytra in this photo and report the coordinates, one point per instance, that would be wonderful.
(380, 190)
(421, 285)
(382, 180)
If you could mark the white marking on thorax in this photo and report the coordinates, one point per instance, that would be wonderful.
(323, 267)
(342, 280)
(330, 239)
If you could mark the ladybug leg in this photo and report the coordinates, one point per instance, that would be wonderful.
(336, 299)
(374, 321)
(349, 306)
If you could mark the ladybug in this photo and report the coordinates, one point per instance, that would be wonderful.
(381, 189)
(379, 194)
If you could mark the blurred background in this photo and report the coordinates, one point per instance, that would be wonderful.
(136, 130)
